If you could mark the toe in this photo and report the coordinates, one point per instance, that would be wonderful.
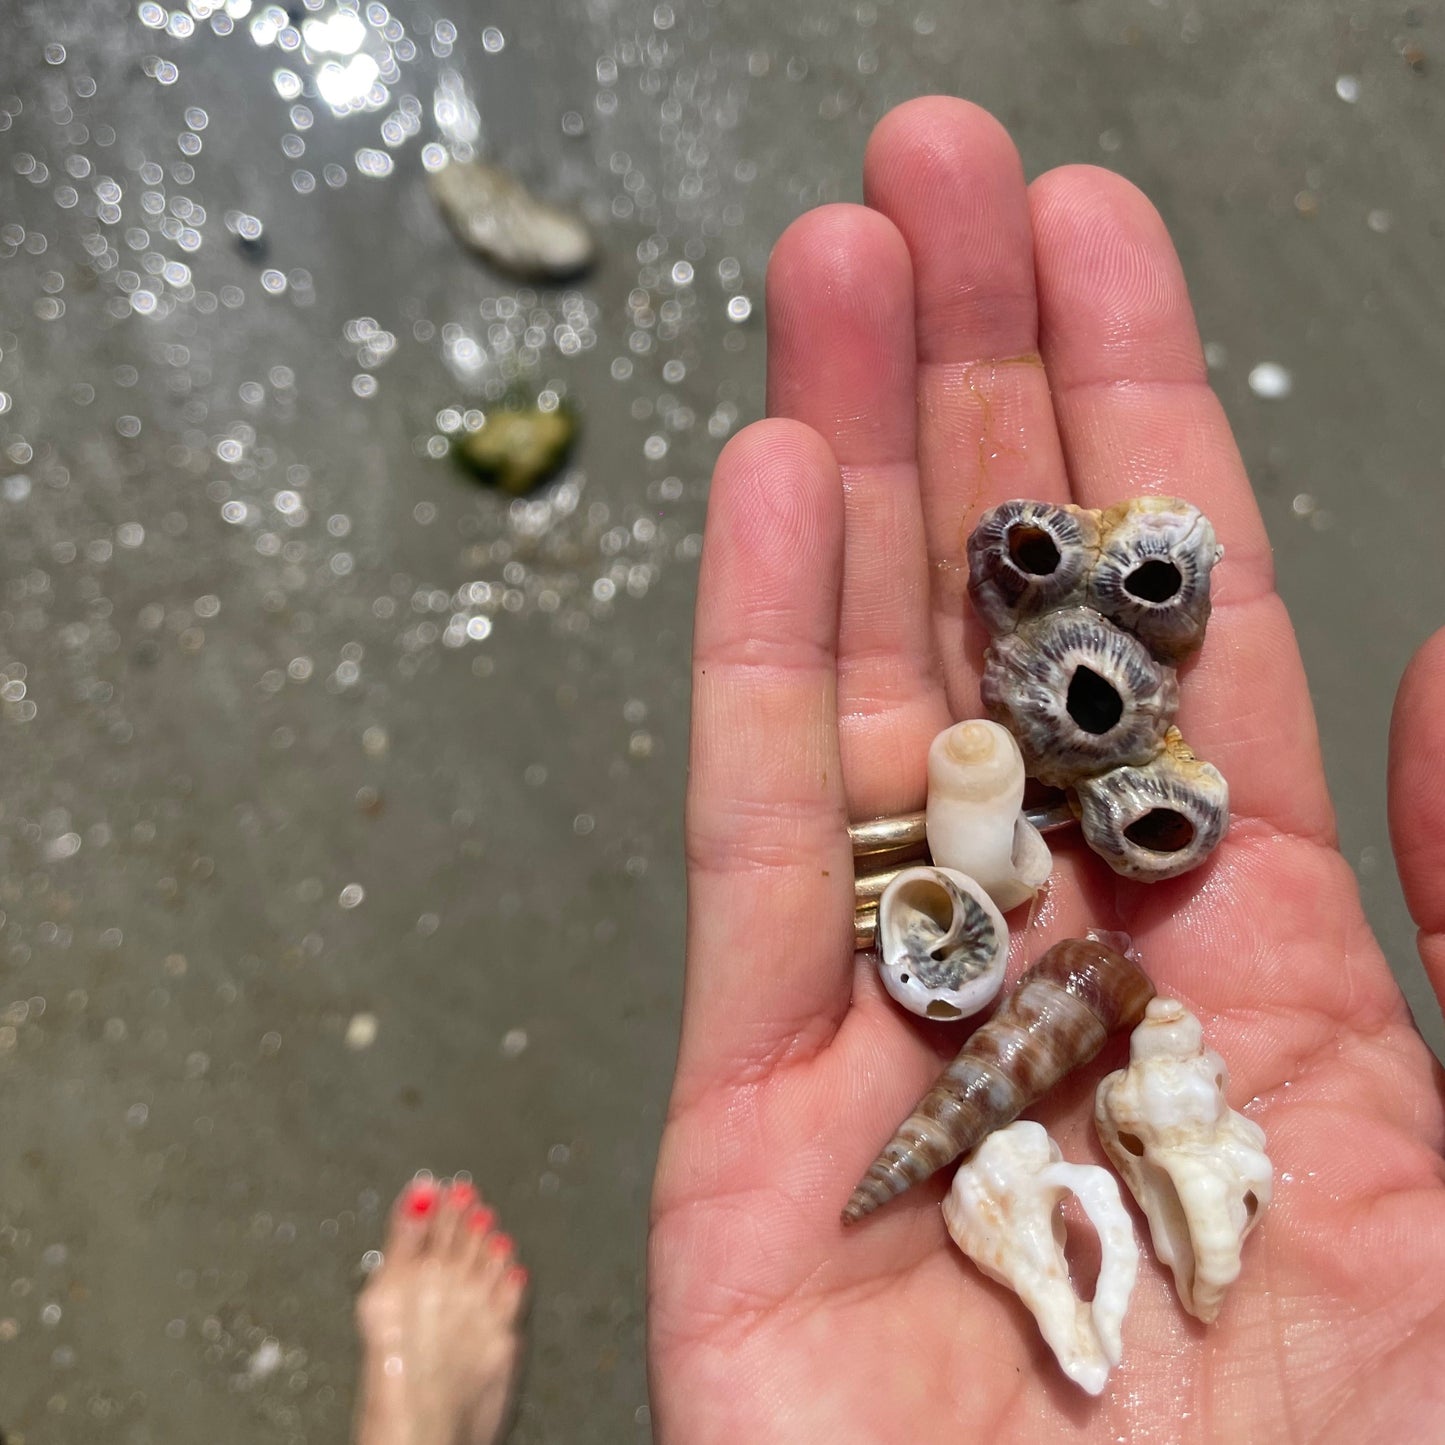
(413, 1219)
(457, 1201)
(511, 1291)
(478, 1228)
(498, 1255)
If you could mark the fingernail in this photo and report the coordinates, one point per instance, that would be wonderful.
(421, 1197)
(479, 1221)
(499, 1245)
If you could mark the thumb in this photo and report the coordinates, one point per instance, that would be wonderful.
(1417, 801)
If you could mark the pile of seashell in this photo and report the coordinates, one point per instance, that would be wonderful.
(1088, 612)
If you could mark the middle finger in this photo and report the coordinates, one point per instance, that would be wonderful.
(947, 175)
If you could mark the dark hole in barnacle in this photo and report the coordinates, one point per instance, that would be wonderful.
(1094, 703)
(1133, 1143)
(1251, 1203)
(1033, 550)
(902, 978)
(937, 1009)
(1161, 830)
(1155, 581)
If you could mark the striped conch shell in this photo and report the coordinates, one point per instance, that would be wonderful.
(1065, 1006)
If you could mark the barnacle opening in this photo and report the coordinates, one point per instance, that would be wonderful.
(1032, 550)
(1133, 1143)
(938, 1009)
(1251, 1203)
(1156, 580)
(1093, 702)
(1161, 830)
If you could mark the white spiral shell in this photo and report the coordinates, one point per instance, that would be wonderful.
(1197, 1168)
(942, 944)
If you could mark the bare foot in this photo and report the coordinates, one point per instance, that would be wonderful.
(438, 1323)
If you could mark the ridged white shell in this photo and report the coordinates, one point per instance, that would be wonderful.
(975, 822)
(1003, 1213)
(942, 944)
(1197, 1168)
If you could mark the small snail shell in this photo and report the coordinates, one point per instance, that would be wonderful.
(1159, 820)
(1028, 557)
(1057, 1018)
(942, 945)
(1080, 695)
(975, 822)
(1152, 573)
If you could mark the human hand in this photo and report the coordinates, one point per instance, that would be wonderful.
(960, 341)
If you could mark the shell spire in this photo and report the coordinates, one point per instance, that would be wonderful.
(1056, 1019)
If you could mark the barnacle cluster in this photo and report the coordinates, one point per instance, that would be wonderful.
(1090, 612)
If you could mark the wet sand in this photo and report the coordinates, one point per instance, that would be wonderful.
(340, 828)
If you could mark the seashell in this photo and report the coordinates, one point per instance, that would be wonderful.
(942, 944)
(1003, 1213)
(1057, 1018)
(1197, 1168)
(974, 819)
(1079, 694)
(1152, 573)
(1029, 557)
(499, 218)
(1159, 820)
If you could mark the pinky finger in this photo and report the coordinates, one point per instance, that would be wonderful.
(1417, 800)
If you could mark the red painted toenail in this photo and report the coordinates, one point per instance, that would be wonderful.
(461, 1194)
(517, 1276)
(479, 1221)
(420, 1199)
(499, 1245)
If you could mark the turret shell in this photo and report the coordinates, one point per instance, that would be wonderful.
(1080, 695)
(1057, 1018)
(942, 944)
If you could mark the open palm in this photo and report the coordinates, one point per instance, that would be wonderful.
(961, 340)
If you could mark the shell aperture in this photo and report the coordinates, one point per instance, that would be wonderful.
(942, 944)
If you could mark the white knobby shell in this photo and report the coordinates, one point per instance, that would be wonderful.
(942, 944)
(975, 820)
(1197, 1167)
(1003, 1213)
